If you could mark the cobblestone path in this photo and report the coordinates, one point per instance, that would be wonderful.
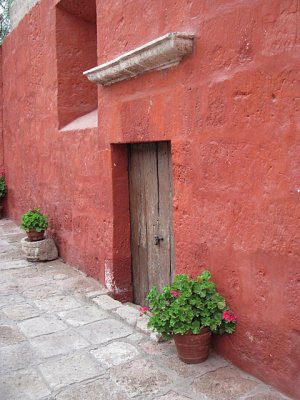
(63, 338)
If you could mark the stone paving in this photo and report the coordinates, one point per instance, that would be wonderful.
(63, 338)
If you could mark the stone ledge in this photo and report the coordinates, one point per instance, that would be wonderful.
(106, 302)
(161, 53)
(127, 312)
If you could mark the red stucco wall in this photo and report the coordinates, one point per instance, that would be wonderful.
(231, 111)
(76, 39)
(1, 116)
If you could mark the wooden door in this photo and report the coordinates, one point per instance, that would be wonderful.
(152, 246)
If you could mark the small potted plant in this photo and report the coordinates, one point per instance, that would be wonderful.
(190, 310)
(3, 192)
(35, 224)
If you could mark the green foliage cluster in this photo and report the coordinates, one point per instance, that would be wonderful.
(5, 6)
(35, 220)
(3, 187)
(188, 305)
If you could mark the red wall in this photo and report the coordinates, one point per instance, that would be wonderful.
(231, 111)
(1, 117)
(76, 51)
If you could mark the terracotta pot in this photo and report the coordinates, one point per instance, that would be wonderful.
(1, 211)
(193, 348)
(34, 236)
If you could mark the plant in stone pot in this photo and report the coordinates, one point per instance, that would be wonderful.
(34, 223)
(190, 310)
(3, 192)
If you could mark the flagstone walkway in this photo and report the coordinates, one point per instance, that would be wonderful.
(63, 338)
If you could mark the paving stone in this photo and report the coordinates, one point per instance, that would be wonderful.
(78, 283)
(172, 362)
(266, 396)
(60, 267)
(59, 277)
(58, 343)
(142, 324)
(10, 335)
(29, 282)
(36, 269)
(106, 302)
(8, 288)
(20, 311)
(139, 377)
(23, 385)
(10, 255)
(14, 264)
(4, 233)
(100, 389)
(41, 326)
(128, 313)
(156, 337)
(4, 320)
(83, 315)
(17, 356)
(136, 337)
(6, 248)
(225, 383)
(104, 331)
(157, 349)
(7, 225)
(95, 293)
(115, 353)
(14, 237)
(70, 369)
(41, 292)
(5, 276)
(172, 396)
(57, 303)
(30, 272)
(10, 299)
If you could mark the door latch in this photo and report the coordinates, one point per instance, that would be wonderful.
(157, 240)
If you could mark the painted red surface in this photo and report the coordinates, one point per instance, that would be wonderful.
(1, 117)
(76, 51)
(231, 111)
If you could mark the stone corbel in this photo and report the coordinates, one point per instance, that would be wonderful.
(161, 53)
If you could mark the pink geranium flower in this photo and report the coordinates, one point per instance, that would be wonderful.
(143, 310)
(174, 293)
(229, 316)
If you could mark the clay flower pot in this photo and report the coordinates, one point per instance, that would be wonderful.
(193, 348)
(34, 236)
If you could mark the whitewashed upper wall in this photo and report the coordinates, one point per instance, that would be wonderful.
(19, 9)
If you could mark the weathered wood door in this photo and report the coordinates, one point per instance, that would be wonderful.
(152, 246)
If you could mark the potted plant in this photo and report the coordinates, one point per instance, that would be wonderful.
(3, 191)
(190, 310)
(35, 224)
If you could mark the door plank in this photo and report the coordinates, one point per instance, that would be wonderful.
(151, 194)
(150, 181)
(139, 247)
(165, 206)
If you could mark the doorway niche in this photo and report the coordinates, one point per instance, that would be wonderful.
(143, 244)
(76, 51)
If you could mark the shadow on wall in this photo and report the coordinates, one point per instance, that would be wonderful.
(76, 48)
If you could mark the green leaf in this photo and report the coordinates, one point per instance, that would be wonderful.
(199, 304)
(35, 220)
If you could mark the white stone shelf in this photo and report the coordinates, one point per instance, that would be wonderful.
(161, 53)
